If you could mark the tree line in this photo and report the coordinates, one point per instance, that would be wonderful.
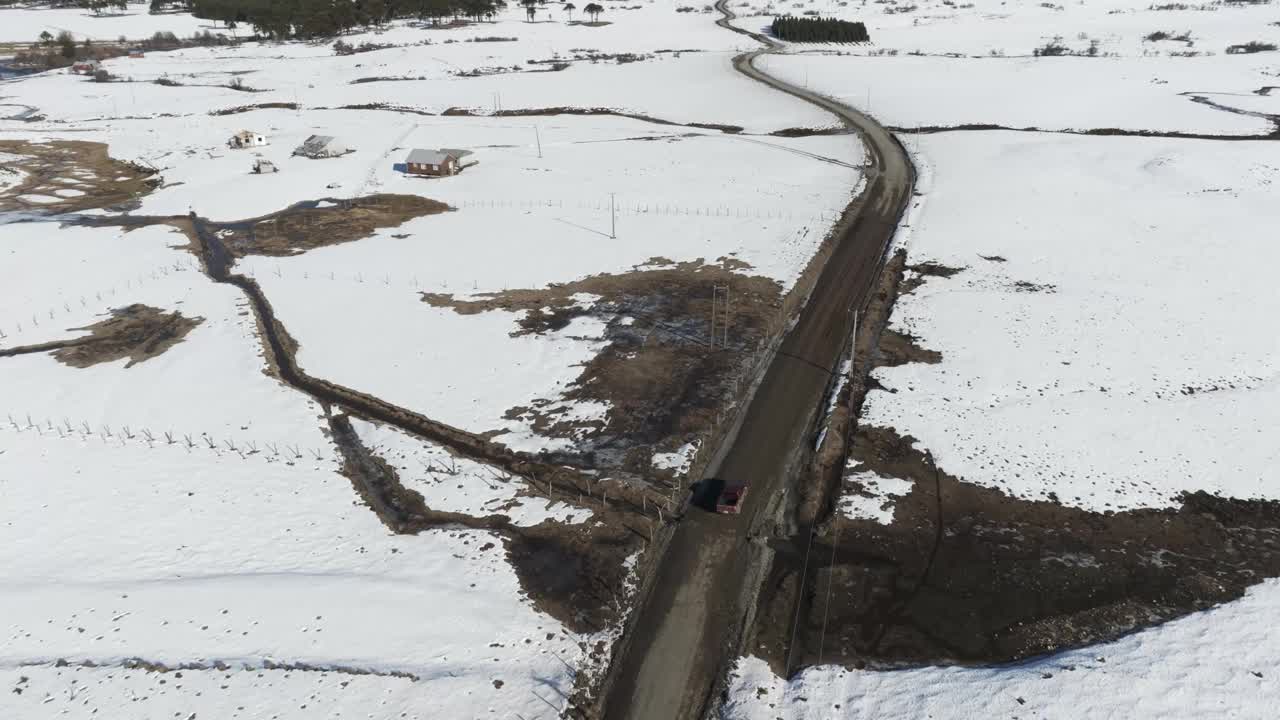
(319, 18)
(818, 29)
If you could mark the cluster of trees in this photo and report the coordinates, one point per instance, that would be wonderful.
(317, 18)
(98, 6)
(320, 18)
(818, 29)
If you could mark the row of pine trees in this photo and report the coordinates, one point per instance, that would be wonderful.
(818, 29)
(321, 18)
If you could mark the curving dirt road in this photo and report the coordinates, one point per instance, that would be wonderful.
(689, 626)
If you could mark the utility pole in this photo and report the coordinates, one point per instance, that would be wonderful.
(713, 316)
(853, 349)
(613, 215)
(715, 292)
(727, 307)
(538, 137)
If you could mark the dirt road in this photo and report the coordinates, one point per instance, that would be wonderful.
(689, 626)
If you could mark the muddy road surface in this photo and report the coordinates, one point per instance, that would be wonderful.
(690, 624)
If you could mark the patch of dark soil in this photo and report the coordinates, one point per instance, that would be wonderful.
(1030, 287)
(70, 176)
(923, 271)
(897, 348)
(810, 132)
(138, 332)
(662, 378)
(308, 225)
(574, 573)
(993, 258)
(384, 106)
(258, 106)
(969, 574)
(380, 79)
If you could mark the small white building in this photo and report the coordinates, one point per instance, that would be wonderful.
(322, 146)
(246, 139)
(263, 167)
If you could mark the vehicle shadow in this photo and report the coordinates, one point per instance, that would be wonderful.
(706, 493)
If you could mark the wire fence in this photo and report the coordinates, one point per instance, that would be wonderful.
(121, 435)
(634, 208)
(77, 301)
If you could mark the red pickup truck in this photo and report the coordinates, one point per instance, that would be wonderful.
(730, 500)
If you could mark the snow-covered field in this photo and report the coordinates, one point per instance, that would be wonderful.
(1130, 83)
(1113, 354)
(539, 197)
(1104, 337)
(250, 552)
(189, 510)
(24, 24)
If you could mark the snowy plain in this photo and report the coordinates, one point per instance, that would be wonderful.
(1104, 337)
(248, 551)
(1113, 354)
(24, 24)
(539, 197)
(991, 76)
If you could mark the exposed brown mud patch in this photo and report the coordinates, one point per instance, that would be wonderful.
(310, 225)
(896, 348)
(574, 573)
(69, 176)
(921, 272)
(658, 372)
(258, 106)
(797, 132)
(968, 574)
(137, 332)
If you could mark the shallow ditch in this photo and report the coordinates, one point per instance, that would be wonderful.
(575, 573)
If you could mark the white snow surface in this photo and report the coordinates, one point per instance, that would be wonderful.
(245, 546)
(1153, 94)
(249, 552)
(1215, 663)
(24, 24)
(991, 76)
(1128, 366)
(677, 460)
(875, 501)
